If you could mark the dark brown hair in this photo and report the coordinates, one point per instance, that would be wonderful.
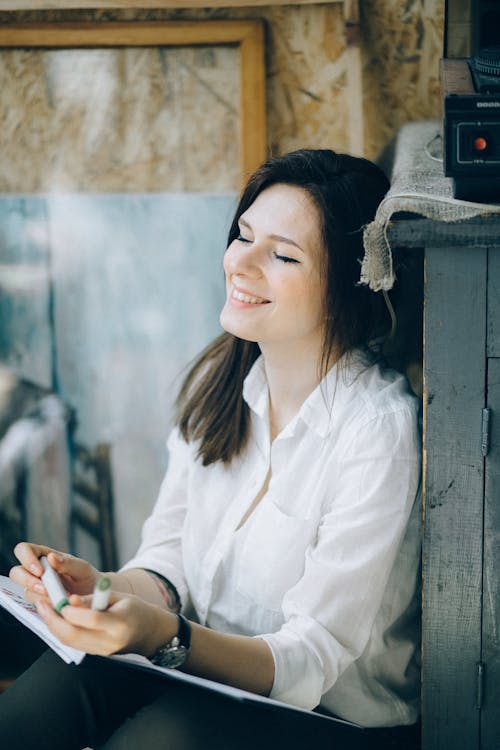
(346, 191)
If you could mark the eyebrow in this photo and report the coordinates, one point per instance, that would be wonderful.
(277, 237)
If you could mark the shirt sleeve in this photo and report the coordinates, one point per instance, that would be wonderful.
(330, 612)
(161, 549)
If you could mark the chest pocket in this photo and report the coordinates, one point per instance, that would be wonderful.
(272, 555)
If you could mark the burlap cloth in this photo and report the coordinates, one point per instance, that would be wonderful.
(418, 186)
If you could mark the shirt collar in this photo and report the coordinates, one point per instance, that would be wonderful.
(255, 390)
(317, 410)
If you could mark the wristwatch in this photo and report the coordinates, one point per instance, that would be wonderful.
(174, 653)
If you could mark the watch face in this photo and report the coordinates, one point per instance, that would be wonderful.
(170, 657)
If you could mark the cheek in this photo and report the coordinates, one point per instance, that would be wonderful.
(314, 301)
(228, 260)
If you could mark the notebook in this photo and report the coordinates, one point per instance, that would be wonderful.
(13, 600)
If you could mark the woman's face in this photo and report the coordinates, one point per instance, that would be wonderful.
(273, 282)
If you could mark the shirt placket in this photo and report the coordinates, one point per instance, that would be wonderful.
(259, 465)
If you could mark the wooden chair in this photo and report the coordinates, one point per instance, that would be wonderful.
(92, 506)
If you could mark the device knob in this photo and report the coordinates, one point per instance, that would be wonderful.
(480, 143)
(488, 61)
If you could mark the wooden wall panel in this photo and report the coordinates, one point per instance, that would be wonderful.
(493, 336)
(454, 396)
(77, 4)
(401, 46)
(311, 72)
(313, 96)
(490, 724)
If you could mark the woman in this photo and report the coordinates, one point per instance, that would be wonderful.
(287, 527)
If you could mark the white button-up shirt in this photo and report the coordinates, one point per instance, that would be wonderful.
(326, 568)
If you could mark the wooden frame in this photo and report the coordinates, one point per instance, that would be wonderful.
(247, 35)
(53, 4)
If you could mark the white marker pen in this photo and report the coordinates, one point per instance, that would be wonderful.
(102, 590)
(52, 583)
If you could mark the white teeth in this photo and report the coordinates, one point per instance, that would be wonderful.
(246, 298)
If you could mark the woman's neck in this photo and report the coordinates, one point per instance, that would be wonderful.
(291, 378)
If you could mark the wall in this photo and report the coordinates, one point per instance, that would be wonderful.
(108, 297)
(402, 44)
(308, 97)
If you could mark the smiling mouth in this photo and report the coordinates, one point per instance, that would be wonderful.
(242, 297)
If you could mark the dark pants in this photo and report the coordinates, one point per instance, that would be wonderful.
(102, 703)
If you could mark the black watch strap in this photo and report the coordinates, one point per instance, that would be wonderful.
(184, 632)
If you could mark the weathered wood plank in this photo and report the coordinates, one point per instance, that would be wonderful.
(125, 34)
(454, 377)
(402, 45)
(178, 4)
(493, 335)
(252, 100)
(490, 723)
(415, 232)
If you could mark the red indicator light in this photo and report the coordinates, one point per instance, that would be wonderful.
(480, 143)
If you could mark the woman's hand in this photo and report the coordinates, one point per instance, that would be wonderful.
(128, 625)
(77, 576)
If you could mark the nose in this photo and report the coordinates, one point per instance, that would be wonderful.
(242, 259)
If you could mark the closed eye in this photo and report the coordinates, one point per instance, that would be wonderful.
(240, 238)
(285, 258)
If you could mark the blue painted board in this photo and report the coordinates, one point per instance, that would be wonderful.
(137, 289)
(25, 335)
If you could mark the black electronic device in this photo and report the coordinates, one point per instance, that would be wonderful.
(470, 83)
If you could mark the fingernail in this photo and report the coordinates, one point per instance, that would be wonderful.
(39, 588)
(35, 568)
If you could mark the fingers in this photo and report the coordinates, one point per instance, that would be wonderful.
(129, 624)
(84, 617)
(28, 573)
(35, 598)
(29, 554)
(77, 575)
(60, 627)
(79, 601)
(33, 586)
(80, 613)
(81, 627)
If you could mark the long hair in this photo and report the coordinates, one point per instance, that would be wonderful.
(346, 191)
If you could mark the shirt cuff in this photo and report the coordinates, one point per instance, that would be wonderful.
(298, 677)
(167, 571)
